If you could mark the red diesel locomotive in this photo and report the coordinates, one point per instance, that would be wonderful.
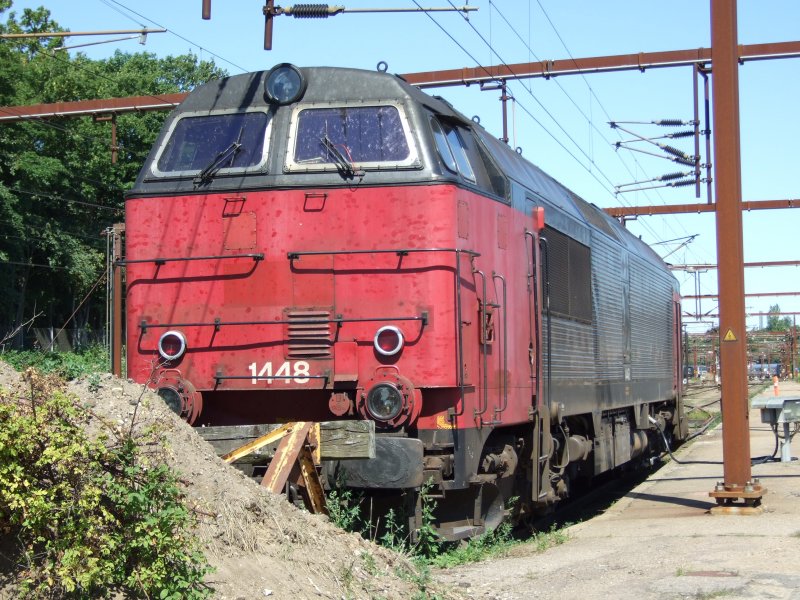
(313, 244)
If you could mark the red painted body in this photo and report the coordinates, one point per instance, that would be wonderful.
(373, 289)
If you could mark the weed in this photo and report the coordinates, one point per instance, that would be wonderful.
(344, 509)
(93, 382)
(395, 536)
(370, 566)
(428, 544)
(346, 574)
(89, 516)
(544, 540)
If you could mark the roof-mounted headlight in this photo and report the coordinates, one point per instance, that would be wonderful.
(284, 84)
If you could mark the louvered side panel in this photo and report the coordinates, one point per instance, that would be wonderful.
(608, 309)
(309, 334)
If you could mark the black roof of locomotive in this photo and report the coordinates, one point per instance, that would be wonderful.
(332, 84)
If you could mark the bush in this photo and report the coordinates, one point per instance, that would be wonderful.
(69, 365)
(91, 517)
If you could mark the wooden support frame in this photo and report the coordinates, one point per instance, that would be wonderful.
(299, 446)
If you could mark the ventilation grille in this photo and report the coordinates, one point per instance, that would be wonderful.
(309, 334)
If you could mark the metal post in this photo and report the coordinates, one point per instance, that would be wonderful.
(737, 484)
(116, 339)
(269, 16)
(114, 147)
(695, 73)
(793, 347)
(504, 100)
(707, 133)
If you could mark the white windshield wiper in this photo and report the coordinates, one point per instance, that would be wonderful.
(207, 174)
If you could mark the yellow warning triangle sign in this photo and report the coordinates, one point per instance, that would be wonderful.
(729, 337)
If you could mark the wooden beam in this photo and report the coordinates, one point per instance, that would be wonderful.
(333, 440)
(316, 495)
(286, 456)
(269, 438)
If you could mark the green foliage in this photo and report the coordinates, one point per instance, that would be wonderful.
(58, 187)
(428, 544)
(395, 534)
(92, 518)
(492, 543)
(555, 536)
(775, 322)
(69, 365)
(344, 509)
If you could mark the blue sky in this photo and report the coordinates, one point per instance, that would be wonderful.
(573, 142)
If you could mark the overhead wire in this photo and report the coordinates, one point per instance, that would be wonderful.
(603, 108)
(69, 200)
(571, 99)
(529, 113)
(594, 95)
(533, 96)
(644, 225)
(178, 35)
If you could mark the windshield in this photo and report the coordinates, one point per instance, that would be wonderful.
(196, 142)
(363, 135)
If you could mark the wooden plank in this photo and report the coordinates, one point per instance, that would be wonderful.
(337, 440)
(269, 438)
(343, 440)
(316, 495)
(285, 457)
(234, 432)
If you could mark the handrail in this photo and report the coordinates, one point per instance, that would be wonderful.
(452, 413)
(339, 320)
(504, 374)
(484, 343)
(543, 244)
(218, 376)
(398, 252)
(161, 261)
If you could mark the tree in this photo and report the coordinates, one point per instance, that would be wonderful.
(775, 322)
(58, 188)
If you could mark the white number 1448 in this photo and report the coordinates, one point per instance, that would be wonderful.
(296, 372)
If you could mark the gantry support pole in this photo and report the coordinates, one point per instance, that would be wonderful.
(737, 484)
(117, 293)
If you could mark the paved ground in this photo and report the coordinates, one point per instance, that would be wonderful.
(661, 541)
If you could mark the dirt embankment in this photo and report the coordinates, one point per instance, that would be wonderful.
(259, 544)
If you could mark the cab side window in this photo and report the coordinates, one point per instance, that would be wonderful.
(462, 153)
(450, 146)
(443, 147)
